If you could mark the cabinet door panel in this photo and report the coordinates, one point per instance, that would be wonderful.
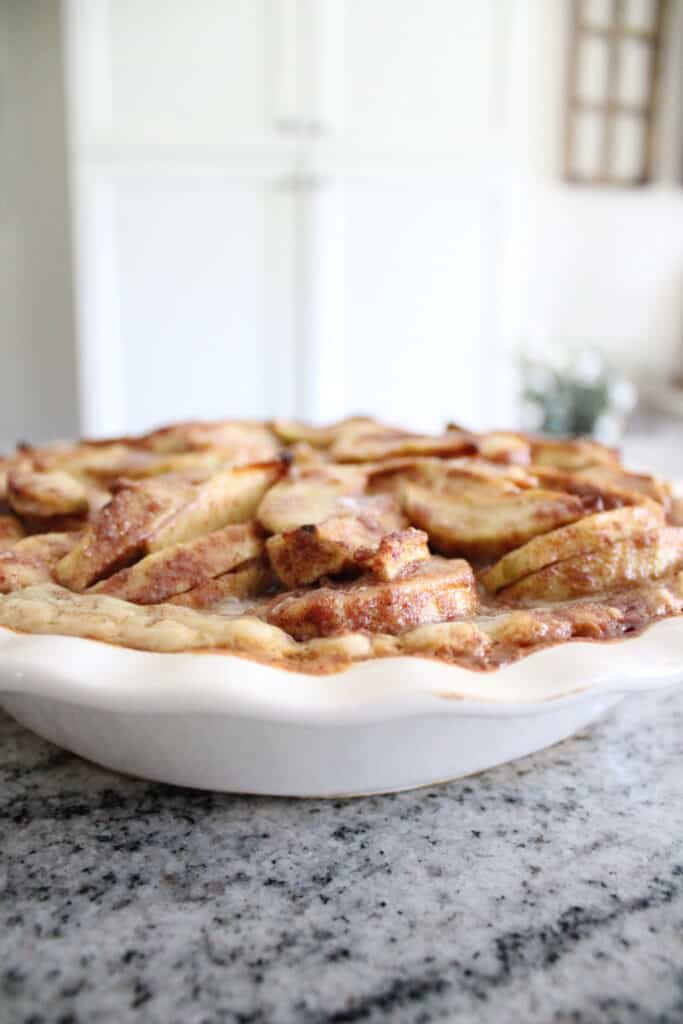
(178, 71)
(420, 74)
(419, 282)
(196, 271)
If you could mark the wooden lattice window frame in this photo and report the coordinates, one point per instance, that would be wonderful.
(613, 33)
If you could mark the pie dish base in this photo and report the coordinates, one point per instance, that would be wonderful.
(221, 722)
(220, 752)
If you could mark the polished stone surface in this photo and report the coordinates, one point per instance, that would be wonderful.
(550, 890)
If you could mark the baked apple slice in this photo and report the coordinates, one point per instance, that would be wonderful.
(305, 554)
(182, 567)
(360, 442)
(231, 589)
(395, 554)
(11, 531)
(436, 590)
(479, 513)
(612, 566)
(293, 431)
(611, 485)
(308, 494)
(43, 495)
(119, 532)
(240, 441)
(229, 496)
(101, 462)
(502, 446)
(32, 560)
(579, 538)
(571, 454)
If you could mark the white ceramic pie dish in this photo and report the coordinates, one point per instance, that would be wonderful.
(221, 722)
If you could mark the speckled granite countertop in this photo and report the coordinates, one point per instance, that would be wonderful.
(548, 890)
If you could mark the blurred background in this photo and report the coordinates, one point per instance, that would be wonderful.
(427, 210)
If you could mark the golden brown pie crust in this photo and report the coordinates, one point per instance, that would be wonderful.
(314, 547)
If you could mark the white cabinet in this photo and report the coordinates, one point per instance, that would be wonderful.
(170, 73)
(285, 207)
(204, 288)
(186, 281)
(419, 76)
(412, 301)
(403, 201)
(183, 161)
(198, 71)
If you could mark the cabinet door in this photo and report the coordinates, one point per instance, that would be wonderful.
(407, 275)
(213, 73)
(408, 74)
(186, 297)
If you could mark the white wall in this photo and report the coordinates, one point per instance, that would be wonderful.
(37, 350)
(603, 265)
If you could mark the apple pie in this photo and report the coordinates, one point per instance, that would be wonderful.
(312, 547)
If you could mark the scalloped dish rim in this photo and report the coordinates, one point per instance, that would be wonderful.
(62, 667)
